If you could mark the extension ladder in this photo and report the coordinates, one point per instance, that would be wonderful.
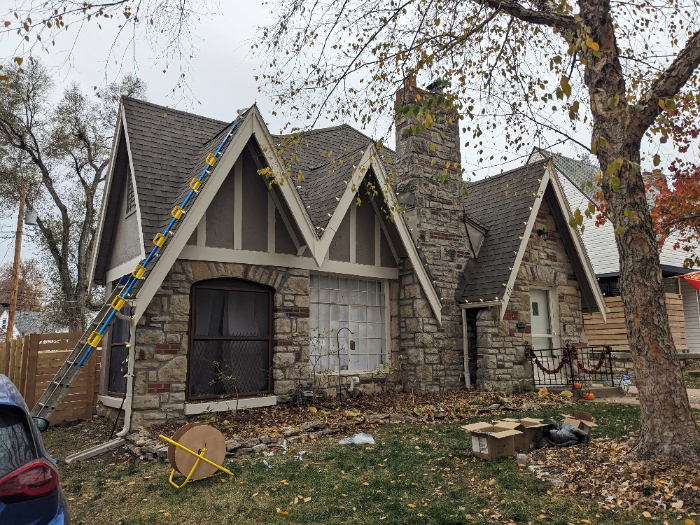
(126, 290)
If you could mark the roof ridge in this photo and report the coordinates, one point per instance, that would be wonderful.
(169, 109)
(509, 172)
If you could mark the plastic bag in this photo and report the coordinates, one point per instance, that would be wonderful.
(358, 439)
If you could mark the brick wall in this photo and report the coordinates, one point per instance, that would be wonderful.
(501, 361)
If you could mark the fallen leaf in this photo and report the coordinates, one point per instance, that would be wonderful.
(306, 500)
(131, 483)
(412, 505)
(280, 511)
(689, 522)
(646, 514)
(255, 494)
(677, 504)
(366, 484)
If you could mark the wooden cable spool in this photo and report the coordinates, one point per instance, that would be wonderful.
(196, 437)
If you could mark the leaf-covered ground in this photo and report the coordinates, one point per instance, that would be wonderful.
(416, 473)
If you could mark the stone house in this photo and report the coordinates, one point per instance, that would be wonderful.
(320, 256)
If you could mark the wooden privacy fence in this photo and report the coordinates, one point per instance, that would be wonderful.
(31, 363)
(614, 332)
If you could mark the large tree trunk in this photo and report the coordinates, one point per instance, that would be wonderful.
(668, 431)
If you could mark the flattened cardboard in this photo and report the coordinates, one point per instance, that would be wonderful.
(530, 429)
(492, 441)
(581, 420)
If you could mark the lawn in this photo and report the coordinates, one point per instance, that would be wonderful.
(414, 474)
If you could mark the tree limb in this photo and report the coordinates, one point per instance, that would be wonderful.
(543, 18)
(665, 87)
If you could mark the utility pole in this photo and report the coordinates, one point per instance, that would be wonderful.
(15, 266)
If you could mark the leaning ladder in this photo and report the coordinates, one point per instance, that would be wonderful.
(126, 290)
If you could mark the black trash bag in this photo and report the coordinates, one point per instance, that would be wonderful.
(562, 435)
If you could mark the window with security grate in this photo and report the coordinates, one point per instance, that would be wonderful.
(358, 304)
(230, 339)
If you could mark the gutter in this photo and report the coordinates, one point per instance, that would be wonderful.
(129, 382)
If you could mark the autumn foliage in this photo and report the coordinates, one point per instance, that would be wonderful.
(676, 211)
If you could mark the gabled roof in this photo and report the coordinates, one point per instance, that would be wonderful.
(164, 145)
(502, 204)
(164, 158)
(327, 159)
(507, 205)
(578, 182)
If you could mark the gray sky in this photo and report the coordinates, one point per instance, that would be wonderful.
(221, 79)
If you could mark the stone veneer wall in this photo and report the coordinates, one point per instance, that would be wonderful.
(431, 356)
(160, 370)
(501, 345)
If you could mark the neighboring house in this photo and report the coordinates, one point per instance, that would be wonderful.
(259, 281)
(28, 323)
(578, 181)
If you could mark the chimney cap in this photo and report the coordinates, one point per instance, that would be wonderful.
(436, 86)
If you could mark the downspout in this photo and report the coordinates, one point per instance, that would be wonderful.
(129, 382)
(465, 345)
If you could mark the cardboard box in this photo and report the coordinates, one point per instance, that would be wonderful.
(582, 420)
(492, 441)
(531, 432)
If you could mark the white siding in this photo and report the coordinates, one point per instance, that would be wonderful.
(599, 241)
(692, 316)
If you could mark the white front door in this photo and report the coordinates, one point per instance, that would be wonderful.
(541, 319)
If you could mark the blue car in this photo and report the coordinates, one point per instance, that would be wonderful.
(29, 490)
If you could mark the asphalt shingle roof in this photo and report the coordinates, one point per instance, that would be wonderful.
(168, 148)
(502, 205)
(579, 173)
(326, 158)
(163, 144)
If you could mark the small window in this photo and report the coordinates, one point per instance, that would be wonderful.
(130, 198)
(119, 351)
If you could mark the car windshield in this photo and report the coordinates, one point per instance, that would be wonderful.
(17, 445)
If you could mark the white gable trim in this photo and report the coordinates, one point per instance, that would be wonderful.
(133, 182)
(348, 197)
(578, 243)
(177, 242)
(404, 234)
(291, 197)
(550, 177)
(523, 243)
(105, 199)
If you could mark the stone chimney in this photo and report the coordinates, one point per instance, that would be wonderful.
(429, 178)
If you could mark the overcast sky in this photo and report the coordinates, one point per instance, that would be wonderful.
(221, 80)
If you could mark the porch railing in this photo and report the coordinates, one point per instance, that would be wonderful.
(562, 367)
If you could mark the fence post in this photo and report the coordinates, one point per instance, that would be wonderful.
(90, 388)
(4, 358)
(23, 370)
(569, 353)
(31, 344)
(13, 361)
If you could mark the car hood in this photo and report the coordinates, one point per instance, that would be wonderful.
(9, 395)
